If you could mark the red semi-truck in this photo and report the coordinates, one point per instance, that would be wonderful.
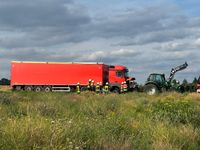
(64, 76)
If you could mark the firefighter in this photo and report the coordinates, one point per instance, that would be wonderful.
(78, 89)
(125, 87)
(100, 84)
(106, 88)
(97, 89)
(92, 86)
(122, 87)
(89, 85)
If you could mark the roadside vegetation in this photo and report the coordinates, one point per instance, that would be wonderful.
(30, 120)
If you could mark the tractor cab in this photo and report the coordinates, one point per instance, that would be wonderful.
(158, 79)
(155, 83)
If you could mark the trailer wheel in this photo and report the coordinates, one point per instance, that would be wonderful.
(38, 88)
(47, 89)
(28, 88)
(151, 89)
(18, 88)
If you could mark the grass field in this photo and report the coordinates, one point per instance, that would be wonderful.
(31, 120)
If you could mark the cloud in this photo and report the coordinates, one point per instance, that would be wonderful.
(111, 56)
(41, 23)
(151, 38)
(197, 42)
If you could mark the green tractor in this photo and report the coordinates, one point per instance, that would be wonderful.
(157, 83)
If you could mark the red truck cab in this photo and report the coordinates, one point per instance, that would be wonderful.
(119, 74)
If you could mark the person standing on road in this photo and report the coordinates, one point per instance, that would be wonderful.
(92, 86)
(97, 89)
(125, 87)
(89, 85)
(101, 88)
(122, 87)
(106, 88)
(78, 89)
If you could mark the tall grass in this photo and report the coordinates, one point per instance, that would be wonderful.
(31, 120)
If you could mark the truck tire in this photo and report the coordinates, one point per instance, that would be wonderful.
(38, 89)
(18, 88)
(116, 90)
(28, 88)
(151, 89)
(84, 88)
(47, 88)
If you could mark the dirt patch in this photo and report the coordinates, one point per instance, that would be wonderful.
(5, 88)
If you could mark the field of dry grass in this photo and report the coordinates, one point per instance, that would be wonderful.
(30, 120)
(4, 88)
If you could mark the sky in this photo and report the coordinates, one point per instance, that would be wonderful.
(146, 36)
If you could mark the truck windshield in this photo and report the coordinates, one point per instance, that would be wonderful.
(126, 75)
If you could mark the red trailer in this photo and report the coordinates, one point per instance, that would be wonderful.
(62, 76)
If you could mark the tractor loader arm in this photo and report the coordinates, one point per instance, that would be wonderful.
(176, 69)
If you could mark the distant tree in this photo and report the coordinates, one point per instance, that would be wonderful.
(195, 81)
(186, 86)
(4, 81)
(185, 82)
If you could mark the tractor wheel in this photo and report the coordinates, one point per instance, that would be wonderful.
(151, 89)
(181, 89)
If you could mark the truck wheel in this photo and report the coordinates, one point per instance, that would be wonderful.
(28, 88)
(151, 89)
(84, 88)
(38, 88)
(18, 88)
(47, 89)
(116, 90)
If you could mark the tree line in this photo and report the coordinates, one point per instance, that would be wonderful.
(188, 86)
(4, 81)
